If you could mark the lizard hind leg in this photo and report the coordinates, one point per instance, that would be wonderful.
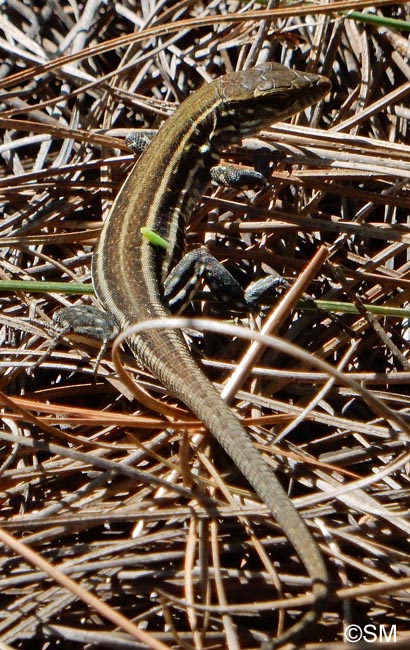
(84, 320)
(183, 282)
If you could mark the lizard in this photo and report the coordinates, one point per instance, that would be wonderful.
(130, 272)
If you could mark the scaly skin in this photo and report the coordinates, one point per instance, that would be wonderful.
(128, 271)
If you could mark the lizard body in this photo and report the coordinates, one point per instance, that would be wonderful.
(129, 272)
